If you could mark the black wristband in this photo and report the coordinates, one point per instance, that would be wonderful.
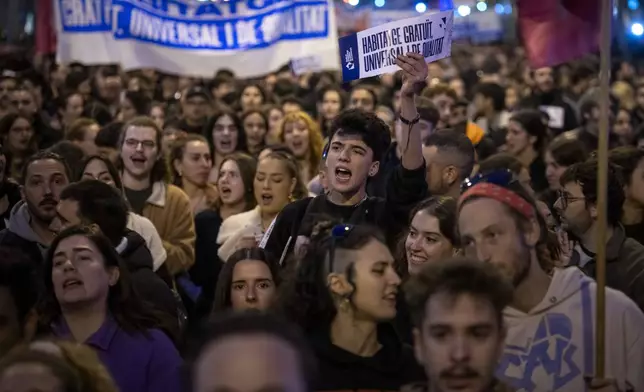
(408, 122)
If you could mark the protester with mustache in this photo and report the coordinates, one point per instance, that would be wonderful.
(44, 176)
(457, 306)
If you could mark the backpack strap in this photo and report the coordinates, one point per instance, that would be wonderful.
(314, 204)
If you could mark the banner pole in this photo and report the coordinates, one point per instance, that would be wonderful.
(602, 185)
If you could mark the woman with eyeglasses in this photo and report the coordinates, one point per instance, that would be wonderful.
(276, 184)
(343, 295)
(89, 298)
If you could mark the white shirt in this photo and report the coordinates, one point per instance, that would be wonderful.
(145, 228)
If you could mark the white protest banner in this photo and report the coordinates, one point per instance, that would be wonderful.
(196, 38)
(373, 51)
(302, 65)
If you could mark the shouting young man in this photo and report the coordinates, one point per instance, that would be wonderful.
(357, 144)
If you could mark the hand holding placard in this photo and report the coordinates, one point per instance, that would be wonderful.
(375, 51)
(415, 72)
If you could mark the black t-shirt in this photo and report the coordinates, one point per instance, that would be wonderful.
(405, 188)
(137, 199)
(389, 369)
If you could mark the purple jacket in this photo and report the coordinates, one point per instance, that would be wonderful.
(136, 362)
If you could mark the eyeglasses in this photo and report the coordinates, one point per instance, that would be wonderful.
(338, 233)
(502, 178)
(566, 199)
(146, 144)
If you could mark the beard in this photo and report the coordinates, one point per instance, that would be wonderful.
(523, 261)
(37, 213)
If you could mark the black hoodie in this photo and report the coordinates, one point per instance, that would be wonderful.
(148, 285)
(339, 370)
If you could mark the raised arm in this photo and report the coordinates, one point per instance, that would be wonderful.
(415, 72)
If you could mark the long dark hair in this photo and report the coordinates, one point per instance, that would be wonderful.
(304, 296)
(443, 208)
(123, 303)
(210, 124)
(7, 122)
(114, 173)
(262, 114)
(222, 300)
(266, 98)
(247, 166)
(5, 126)
(531, 121)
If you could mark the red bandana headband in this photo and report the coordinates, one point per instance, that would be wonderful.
(500, 194)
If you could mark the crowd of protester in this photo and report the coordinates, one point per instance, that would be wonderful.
(429, 230)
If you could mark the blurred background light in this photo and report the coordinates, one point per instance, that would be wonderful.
(464, 10)
(421, 7)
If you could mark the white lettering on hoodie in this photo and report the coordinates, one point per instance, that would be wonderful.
(552, 347)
